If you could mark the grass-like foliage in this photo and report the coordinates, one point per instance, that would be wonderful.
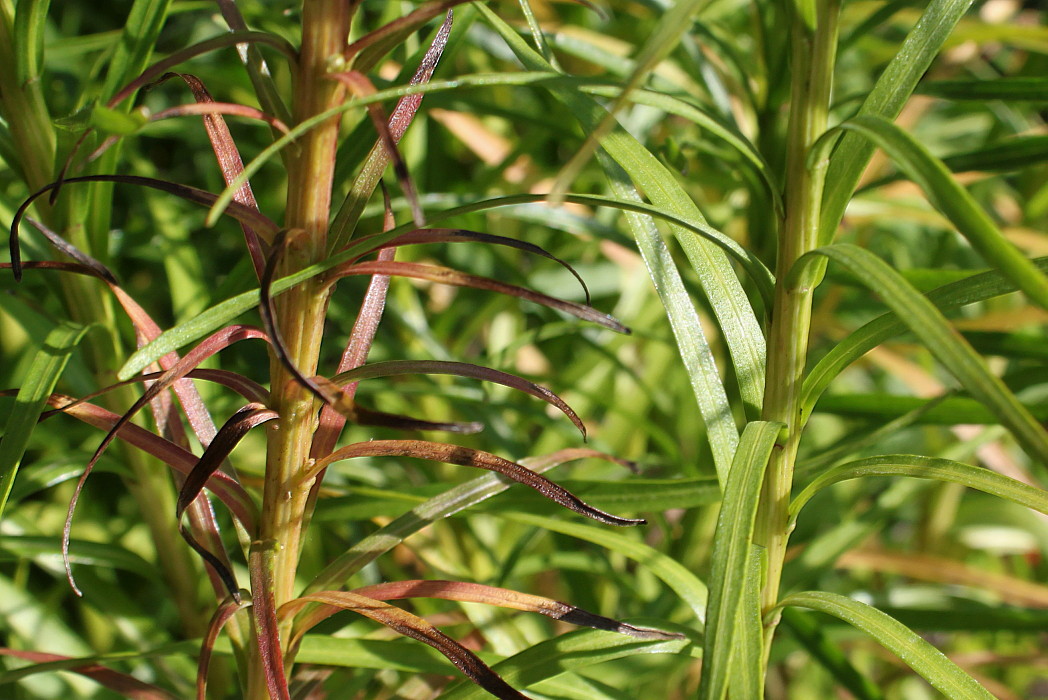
(754, 287)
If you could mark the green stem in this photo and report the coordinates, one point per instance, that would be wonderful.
(300, 312)
(812, 62)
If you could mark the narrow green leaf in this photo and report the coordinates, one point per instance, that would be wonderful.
(945, 343)
(943, 674)
(568, 652)
(695, 350)
(731, 560)
(947, 195)
(747, 679)
(928, 468)
(893, 89)
(737, 320)
(950, 296)
(40, 380)
(684, 583)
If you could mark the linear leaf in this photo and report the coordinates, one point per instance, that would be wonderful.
(446, 504)
(568, 652)
(731, 560)
(944, 675)
(893, 89)
(942, 340)
(736, 319)
(947, 297)
(936, 468)
(954, 201)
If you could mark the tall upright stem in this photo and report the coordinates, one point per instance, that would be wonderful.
(812, 63)
(300, 312)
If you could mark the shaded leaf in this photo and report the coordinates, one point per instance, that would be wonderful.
(47, 366)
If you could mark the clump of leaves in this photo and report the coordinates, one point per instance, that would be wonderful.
(298, 259)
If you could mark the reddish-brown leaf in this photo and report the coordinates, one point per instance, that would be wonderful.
(462, 369)
(264, 226)
(444, 275)
(467, 457)
(505, 598)
(360, 86)
(222, 615)
(412, 626)
(458, 235)
(231, 433)
(222, 485)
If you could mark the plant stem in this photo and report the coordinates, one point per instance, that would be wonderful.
(813, 54)
(300, 312)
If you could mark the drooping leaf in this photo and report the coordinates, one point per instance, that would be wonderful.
(230, 434)
(454, 454)
(444, 275)
(936, 468)
(574, 650)
(893, 88)
(446, 504)
(944, 675)
(945, 343)
(468, 592)
(265, 227)
(222, 485)
(411, 626)
(392, 368)
(946, 298)
(954, 201)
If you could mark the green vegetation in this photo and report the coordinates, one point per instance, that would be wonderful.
(759, 289)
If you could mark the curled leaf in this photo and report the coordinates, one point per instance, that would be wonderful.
(230, 434)
(256, 220)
